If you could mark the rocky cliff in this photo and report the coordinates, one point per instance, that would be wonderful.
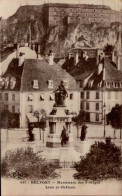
(28, 23)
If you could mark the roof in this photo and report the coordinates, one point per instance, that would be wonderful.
(83, 68)
(40, 70)
(88, 6)
(14, 71)
(111, 75)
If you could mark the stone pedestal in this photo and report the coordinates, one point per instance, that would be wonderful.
(57, 119)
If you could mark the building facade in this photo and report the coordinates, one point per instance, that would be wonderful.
(30, 86)
(99, 79)
(57, 13)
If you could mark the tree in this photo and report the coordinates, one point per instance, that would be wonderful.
(79, 119)
(108, 49)
(42, 120)
(102, 162)
(115, 117)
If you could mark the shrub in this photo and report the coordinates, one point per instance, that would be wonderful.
(102, 162)
(25, 164)
(9, 120)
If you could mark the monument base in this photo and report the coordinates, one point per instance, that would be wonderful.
(65, 157)
(54, 141)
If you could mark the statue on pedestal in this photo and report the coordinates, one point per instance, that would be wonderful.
(60, 95)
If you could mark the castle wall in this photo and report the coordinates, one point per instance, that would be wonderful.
(81, 14)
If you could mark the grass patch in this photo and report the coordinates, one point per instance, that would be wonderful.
(25, 164)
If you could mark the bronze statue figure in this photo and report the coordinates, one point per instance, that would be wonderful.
(60, 95)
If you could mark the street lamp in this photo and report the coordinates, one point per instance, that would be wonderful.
(104, 118)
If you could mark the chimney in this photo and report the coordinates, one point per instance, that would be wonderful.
(76, 58)
(51, 57)
(70, 55)
(17, 51)
(34, 47)
(85, 56)
(119, 62)
(113, 56)
(99, 52)
(100, 68)
(39, 49)
(101, 56)
(21, 58)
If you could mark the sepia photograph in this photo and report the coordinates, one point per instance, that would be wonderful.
(61, 97)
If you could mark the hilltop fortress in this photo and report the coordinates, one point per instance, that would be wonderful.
(57, 14)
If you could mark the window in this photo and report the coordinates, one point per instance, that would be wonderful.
(87, 106)
(97, 117)
(82, 95)
(97, 106)
(42, 97)
(6, 96)
(51, 97)
(116, 85)
(82, 105)
(6, 82)
(97, 95)
(12, 82)
(71, 96)
(35, 84)
(109, 95)
(30, 97)
(6, 107)
(50, 84)
(87, 95)
(108, 85)
(13, 97)
(30, 109)
(13, 109)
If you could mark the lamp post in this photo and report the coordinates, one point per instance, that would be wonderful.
(104, 106)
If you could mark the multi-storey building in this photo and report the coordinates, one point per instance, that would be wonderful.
(56, 13)
(100, 82)
(28, 85)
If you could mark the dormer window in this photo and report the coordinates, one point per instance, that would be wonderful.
(116, 85)
(12, 82)
(42, 97)
(6, 82)
(30, 97)
(51, 97)
(108, 85)
(35, 84)
(65, 83)
(113, 84)
(50, 84)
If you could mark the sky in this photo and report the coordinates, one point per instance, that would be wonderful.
(9, 7)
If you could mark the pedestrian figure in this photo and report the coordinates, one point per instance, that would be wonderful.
(83, 132)
(30, 129)
(64, 137)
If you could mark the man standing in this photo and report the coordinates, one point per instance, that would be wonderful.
(64, 136)
(83, 132)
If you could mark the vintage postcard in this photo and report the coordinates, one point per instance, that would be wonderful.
(61, 97)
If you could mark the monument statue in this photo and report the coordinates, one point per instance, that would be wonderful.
(60, 95)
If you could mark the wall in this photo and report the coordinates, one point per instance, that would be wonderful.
(11, 102)
(111, 99)
(46, 104)
(82, 14)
